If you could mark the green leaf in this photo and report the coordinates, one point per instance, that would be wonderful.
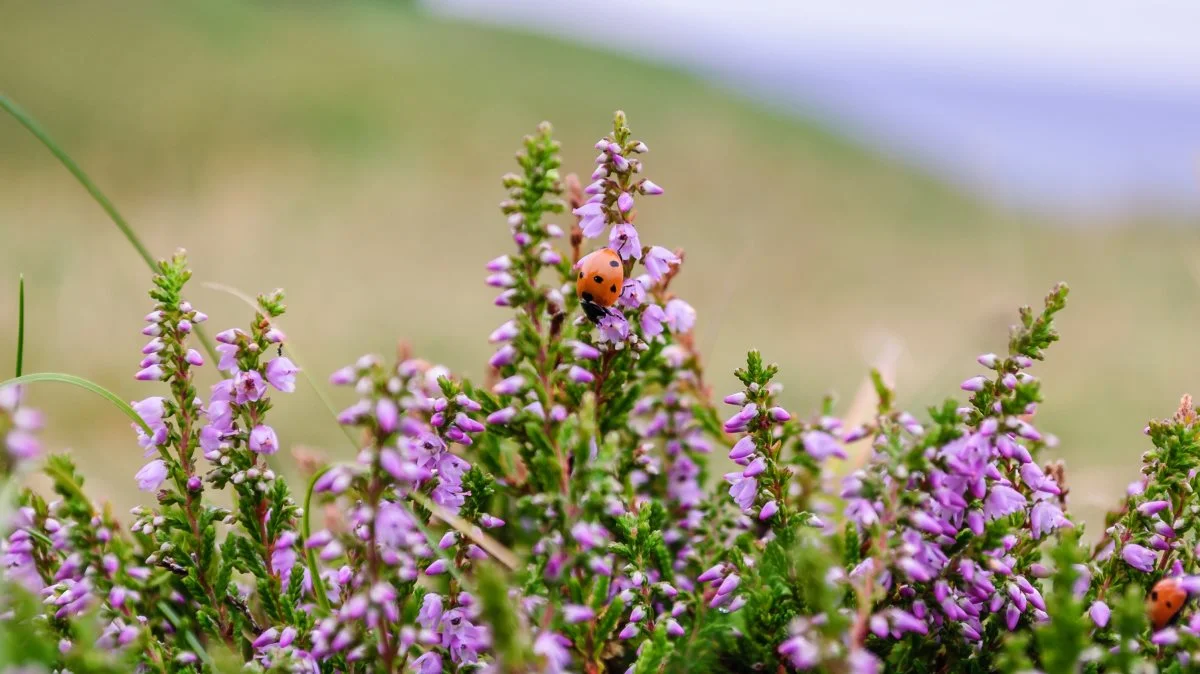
(83, 384)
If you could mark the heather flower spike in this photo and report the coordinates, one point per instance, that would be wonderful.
(583, 465)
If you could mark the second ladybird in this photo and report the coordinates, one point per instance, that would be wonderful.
(1167, 599)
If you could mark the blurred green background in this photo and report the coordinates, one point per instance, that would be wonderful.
(351, 153)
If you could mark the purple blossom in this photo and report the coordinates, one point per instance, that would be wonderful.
(1139, 557)
(1099, 613)
(821, 445)
(151, 475)
(248, 387)
(579, 375)
(281, 373)
(652, 321)
(1153, 507)
(625, 202)
(510, 386)
(658, 262)
(974, 384)
(592, 218)
(1045, 518)
(263, 440)
(680, 316)
(742, 489)
(624, 239)
(1003, 501)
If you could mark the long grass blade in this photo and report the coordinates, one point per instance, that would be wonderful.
(85, 385)
(27, 121)
(20, 324)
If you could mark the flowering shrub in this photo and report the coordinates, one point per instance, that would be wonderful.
(562, 515)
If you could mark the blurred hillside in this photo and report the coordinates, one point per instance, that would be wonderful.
(351, 153)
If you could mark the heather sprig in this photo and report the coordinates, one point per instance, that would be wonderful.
(582, 468)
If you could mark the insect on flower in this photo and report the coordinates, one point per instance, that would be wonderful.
(1166, 602)
(601, 276)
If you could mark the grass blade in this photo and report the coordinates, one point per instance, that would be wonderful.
(20, 324)
(38, 132)
(83, 384)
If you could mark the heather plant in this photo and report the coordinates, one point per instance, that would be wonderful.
(567, 514)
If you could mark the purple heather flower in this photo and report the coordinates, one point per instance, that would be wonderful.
(1153, 507)
(768, 511)
(228, 359)
(436, 568)
(779, 414)
(504, 299)
(467, 424)
(822, 445)
(624, 239)
(742, 448)
(742, 489)
(1165, 637)
(582, 351)
(974, 384)
(576, 613)
(281, 373)
(151, 475)
(1046, 517)
(680, 316)
(505, 332)
(652, 321)
(592, 220)
(510, 386)
(614, 327)
(152, 373)
(580, 376)
(711, 574)
(658, 262)
(263, 440)
(1099, 613)
(648, 187)
(499, 264)
(248, 386)
(429, 663)
(193, 483)
(1009, 380)
(501, 280)
(1140, 558)
(736, 399)
(756, 467)
(625, 202)
(505, 355)
(387, 415)
(628, 632)
(800, 652)
(1002, 502)
(342, 377)
(502, 416)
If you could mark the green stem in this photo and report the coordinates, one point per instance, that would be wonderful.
(20, 323)
(310, 555)
(38, 132)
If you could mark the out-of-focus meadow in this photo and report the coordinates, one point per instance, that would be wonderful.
(351, 153)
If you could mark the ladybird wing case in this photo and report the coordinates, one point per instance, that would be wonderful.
(600, 278)
(1166, 602)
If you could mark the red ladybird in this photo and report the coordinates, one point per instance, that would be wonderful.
(598, 284)
(1167, 599)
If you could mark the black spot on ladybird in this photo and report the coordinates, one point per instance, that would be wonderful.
(1168, 604)
(580, 274)
(587, 297)
(612, 288)
(614, 263)
(598, 279)
(1154, 596)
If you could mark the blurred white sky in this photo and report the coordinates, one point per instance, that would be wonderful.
(1144, 43)
(1076, 103)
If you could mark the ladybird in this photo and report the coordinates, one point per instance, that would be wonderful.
(1167, 599)
(600, 277)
